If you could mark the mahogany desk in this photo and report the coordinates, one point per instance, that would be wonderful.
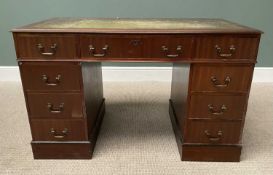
(60, 65)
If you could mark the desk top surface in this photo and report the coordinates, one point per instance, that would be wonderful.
(119, 25)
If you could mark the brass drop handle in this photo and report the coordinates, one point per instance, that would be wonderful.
(218, 49)
(214, 138)
(216, 83)
(48, 83)
(213, 111)
(55, 110)
(41, 49)
(92, 50)
(166, 50)
(59, 136)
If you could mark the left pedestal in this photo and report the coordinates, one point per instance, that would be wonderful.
(65, 106)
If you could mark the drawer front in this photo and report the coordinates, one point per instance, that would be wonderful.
(227, 48)
(210, 106)
(212, 132)
(58, 130)
(221, 78)
(55, 105)
(114, 46)
(135, 46)
(172, 47)
(45, 46)
(51, 76)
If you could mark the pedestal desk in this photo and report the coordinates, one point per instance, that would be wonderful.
(60, 65)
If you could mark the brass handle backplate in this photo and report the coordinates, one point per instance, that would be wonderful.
(48, 83)
(59, 136)
(220, 111)
(42, 51)
(218, 49)
(212, 138)
(92, 50)
(55, 110)
(166, 51)
(216, 83)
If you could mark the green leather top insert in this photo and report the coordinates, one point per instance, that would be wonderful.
(116, 23)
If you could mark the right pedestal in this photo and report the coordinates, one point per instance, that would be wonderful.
(207, 109)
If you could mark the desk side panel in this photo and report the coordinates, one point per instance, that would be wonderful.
(179, 93)
(93, 93)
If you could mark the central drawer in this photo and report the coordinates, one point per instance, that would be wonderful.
(136, 46)
(55, 105)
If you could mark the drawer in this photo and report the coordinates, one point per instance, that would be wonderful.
(58, 130)
(221, 77)
(211, 106)
(136, 46)
(51, 76)
(45, 46)
(55, 105)
(172, 47)
(226, 47)
(114, 46)
(212, 132)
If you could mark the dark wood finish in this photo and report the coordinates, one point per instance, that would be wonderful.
(240, 77)
(95, 129)
(41, 130)
(80, 104)
(213, 153)
(177, 129)
(202, 152)
(147, 60)
(205, 128)
(246, 47)
(179, 92)
(172, 42)
(62, 150)
(27, 46)
(32, 76)
(135, 47)
(63, 105)
(119, 46)
(195, 132)
(93, 92)
(69, 149)
(213, 62)
(200, 106)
